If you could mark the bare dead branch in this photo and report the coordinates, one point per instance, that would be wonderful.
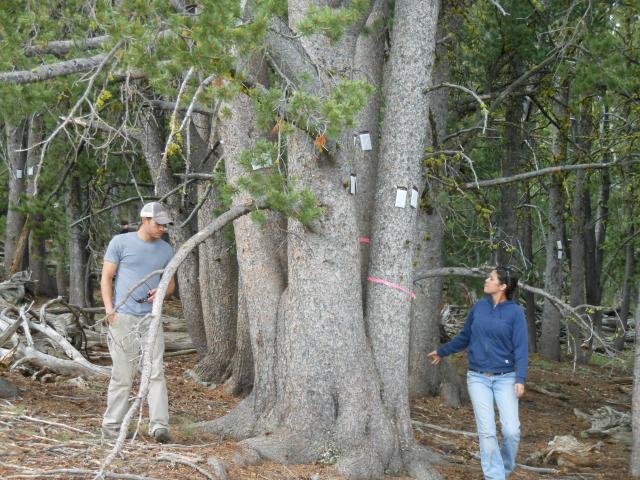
(523, 78)
(173, 458)
(59, 365)
(22, 239)
(499, 7)
(68, 349)
(206, 194)
(173, 122)
(78, 471)
(443, 429)
(55, 424)
(546, 171)
(46, 72)
(25, 325)
(8, 332)
(483, 106)
(129, 200)
(62, 47)
(164, 105)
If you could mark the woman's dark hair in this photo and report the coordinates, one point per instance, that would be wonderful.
(510, 278)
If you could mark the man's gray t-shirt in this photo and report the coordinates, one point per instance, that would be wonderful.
(136, 259)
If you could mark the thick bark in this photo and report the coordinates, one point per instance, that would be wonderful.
(240, 382)
(368, 66)
(218, 285)
(323, 332)
(188, 273)
(595, 247)
(424, 378)
(527, 249)
(44, 283)
(577, 294)
(635, 414)
(323, 400)
(392, 251)
(262, 280)
(16, 160)
(549, 344)
(508, 250)
(78, 245)
(555, 247)
(629, 267)
(579, 211)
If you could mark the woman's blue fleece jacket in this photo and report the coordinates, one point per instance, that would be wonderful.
(496, 337)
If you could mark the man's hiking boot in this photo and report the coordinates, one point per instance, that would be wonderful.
(161, 435)
(109, 434)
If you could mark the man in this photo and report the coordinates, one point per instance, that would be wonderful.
(133, 256)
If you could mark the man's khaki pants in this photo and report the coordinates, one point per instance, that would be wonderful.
(126, 340)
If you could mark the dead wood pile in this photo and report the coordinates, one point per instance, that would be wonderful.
(63, 340)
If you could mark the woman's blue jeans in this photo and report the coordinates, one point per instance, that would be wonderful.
(497, 463)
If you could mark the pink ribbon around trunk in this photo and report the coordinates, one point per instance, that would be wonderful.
(392, 285)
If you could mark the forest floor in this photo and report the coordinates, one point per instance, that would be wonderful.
(29, 447)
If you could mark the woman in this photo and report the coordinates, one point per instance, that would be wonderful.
(495, 333)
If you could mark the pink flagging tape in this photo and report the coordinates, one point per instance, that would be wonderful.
(363, 239)
(392, 285)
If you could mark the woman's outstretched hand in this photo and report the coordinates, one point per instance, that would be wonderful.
(435, 358)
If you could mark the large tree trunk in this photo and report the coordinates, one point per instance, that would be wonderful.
(424, 378)
(392, 251)
(218, 283)
(368, 66)
(635, 414)
(322, 400)
(629, 267)
(579, 211)
(78, 245)
(597, 234)
(527, 249)
(44, 282)
(188, 273)
(240, 382)
(263, 281)
(578, 288)
(16, 160)
(555, 247)
(509, 250)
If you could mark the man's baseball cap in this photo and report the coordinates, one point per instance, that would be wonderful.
(157, 212)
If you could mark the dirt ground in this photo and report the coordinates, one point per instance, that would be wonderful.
(29, 447)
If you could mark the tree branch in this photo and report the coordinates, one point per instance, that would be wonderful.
(523, 78)
(546, 171)
(46, 72)
(483, 106)
(172, 105)
(61, 47)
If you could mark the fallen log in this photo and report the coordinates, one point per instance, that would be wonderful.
(61, 366)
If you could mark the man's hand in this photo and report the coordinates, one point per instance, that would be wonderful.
(111, 318)
(519, 389)
(435, 358)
